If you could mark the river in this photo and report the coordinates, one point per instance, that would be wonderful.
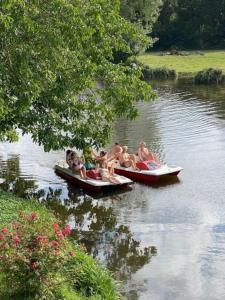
(164, 242)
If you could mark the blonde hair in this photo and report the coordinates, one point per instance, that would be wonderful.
(124, 149)
(142, 143)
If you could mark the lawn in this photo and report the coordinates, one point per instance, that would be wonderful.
(192, 63)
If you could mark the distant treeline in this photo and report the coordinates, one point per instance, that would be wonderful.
(183, 24)
(191, 24)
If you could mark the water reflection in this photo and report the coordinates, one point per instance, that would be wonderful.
(184, 219)
(94, 221)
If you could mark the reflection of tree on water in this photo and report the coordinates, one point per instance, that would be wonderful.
(96, 226)
(94, 221)
(212, 95)
(22, 187)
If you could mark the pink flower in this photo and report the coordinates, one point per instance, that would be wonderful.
(16, 240)
(55, 226)
(55, 244)
(67, 230)
(60, 236)
(4, 230)
(34, 216)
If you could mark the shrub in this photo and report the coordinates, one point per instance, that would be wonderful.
(158, 73)
(210, 76)
(32, 255)
(153, 73)
(91, 280)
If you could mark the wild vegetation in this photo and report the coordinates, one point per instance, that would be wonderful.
(179, 24)
(191, 24)
(158, 73)
(210, 76)
(58, 80)
(42, 263)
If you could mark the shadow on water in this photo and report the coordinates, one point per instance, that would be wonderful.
(94, 221)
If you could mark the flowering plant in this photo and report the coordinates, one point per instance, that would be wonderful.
(32, 254)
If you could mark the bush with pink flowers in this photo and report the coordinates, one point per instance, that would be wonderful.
(33, 254)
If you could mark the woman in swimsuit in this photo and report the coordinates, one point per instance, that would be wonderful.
(106, 176)
(127, 160)
(144, 154)
(76, 164)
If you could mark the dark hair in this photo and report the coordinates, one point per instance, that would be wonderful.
(68, 152)
(117, 144)
(103, 153)
(73, 154)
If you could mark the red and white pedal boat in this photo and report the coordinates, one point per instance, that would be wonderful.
(149, 171)
(94, 184)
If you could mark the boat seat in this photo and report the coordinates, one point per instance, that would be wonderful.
(147, 165)
(93, 174)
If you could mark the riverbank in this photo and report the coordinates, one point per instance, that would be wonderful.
(186, 65)
(92, 281)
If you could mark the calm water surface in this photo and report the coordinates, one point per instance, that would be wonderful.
(165, 241)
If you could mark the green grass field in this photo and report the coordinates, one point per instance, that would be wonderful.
(185, 64)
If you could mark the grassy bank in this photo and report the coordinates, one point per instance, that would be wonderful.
(90, 281)
(185, 65)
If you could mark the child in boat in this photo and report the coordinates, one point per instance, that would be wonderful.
(77, 166)
(127, 160)
(144, 154)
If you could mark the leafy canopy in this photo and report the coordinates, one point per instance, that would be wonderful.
(191, 24)
(145, 12)
(58, 81)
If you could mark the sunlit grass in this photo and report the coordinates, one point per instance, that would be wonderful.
(192, 63)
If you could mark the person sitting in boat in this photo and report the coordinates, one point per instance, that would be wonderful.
(144, 154)
(127, 160)
(115, 151)
(77, 166)
(101, 159)
(89, 158)
(106, 162)
(107, 176)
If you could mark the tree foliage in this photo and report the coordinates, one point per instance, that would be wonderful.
(58, 81)
(191, 24)
(144, 12)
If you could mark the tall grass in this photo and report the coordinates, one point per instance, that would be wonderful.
(162, 73)
(210, 76)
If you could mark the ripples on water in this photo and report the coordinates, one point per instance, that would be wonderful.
(165, 241)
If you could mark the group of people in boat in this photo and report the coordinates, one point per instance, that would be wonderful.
(105, 162)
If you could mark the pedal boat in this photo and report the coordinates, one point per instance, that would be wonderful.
(93, 183)
(149, 171)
